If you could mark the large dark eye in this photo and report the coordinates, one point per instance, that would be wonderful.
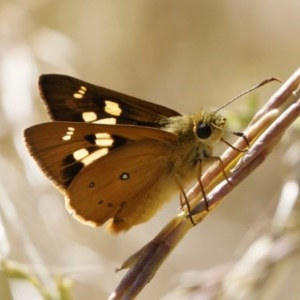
(203, 131)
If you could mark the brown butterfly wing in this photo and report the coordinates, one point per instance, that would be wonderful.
(125, 186)
(70, 99)
(90, 163)
(105, 171)
(62, 149)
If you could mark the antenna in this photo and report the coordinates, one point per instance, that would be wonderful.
(248, 91)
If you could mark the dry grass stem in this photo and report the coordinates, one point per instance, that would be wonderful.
(263, 133)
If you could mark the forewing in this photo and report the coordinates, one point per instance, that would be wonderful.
(71, 99)
(63, 149)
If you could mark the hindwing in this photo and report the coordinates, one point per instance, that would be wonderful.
(63, 149)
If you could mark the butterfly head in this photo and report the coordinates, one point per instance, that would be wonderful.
(208, 127)
(203, 127)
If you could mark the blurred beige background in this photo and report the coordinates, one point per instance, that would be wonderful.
(187, 55)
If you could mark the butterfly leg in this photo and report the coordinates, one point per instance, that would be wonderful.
(221, 163)
(212, 158)
(240, 134)
(201, 184)
(183, 198)
(223, 169)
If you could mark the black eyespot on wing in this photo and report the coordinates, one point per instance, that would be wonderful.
(124, 176)
(203, 131)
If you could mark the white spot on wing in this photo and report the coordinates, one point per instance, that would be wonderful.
(103, 140)
(80, 154)
(102, 135)
(80, 93)
(112, 108)
(66, 137)
(124, 176)
(107, 121)
(94, 156)
(68, 134)
(89, 116)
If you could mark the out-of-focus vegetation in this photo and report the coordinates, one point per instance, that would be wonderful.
(188, 55)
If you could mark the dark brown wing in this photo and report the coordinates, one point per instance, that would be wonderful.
(71, 99)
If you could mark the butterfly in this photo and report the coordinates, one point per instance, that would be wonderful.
(117, 159)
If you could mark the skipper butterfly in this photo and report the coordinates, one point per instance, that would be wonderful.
(117, 158)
